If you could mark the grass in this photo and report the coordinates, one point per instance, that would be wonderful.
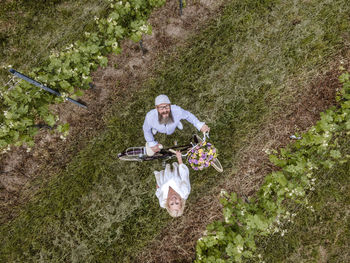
(31, 29)
(233, 74)
(320, 234)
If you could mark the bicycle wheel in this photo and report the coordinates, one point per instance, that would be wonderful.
(130, 158)
(217, 165)
(132, 154)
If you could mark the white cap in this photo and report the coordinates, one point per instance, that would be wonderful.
(162, 99)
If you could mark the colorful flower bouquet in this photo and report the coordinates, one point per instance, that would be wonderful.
(202, 155)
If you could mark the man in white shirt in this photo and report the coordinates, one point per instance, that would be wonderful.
(165, 118)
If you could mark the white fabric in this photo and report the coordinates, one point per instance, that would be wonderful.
(161, 99)
(178, 178)
(151, 122)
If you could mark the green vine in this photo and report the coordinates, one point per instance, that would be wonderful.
(233, 239)
(68, 71)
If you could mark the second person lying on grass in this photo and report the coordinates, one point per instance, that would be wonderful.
(173, 187)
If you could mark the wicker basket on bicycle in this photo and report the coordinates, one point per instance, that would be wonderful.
(202, 155)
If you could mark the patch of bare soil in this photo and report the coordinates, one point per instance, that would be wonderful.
(22, 173)
(177, 242)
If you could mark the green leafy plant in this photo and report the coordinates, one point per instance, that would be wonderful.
(68, 71)
(234, 238)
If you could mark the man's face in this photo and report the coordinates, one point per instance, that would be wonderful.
(164, 110)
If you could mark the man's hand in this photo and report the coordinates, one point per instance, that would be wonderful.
(157, 148)
(205, 128)
(179, 157)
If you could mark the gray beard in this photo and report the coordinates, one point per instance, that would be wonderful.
(166, 120)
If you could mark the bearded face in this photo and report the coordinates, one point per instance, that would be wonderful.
(164, 114)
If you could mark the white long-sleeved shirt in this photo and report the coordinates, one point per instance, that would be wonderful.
(178, 179)
(151, 122)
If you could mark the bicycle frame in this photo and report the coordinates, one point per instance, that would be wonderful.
(139, 153)
(190, 146)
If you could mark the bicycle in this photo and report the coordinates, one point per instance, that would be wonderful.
(138, 154)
